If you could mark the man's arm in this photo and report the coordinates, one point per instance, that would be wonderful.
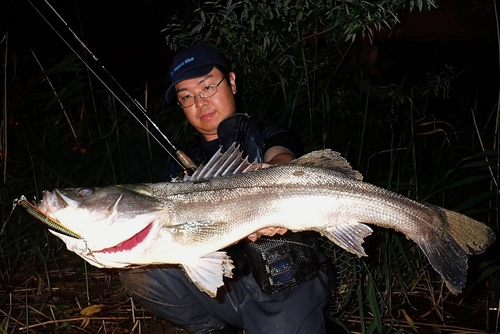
(278, 155)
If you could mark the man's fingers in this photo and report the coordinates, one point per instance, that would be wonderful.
(268, 231)
(254, 236)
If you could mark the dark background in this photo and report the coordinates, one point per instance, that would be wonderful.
(126, 35)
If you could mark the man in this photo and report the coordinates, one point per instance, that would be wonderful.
(204, 87)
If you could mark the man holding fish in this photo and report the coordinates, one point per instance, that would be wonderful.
(204, 86)
(274, 285)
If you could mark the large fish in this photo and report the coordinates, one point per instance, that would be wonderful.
(188, 223)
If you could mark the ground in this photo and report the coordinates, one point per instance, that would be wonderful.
(51, 300)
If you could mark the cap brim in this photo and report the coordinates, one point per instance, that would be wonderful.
(192, 73)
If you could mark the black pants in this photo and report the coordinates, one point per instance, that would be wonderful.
(166, 292)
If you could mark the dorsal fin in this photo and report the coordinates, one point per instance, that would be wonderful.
(232, 162)
(330, 160)
(227, 163)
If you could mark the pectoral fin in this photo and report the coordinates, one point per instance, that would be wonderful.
(349, 236)
(207, 272)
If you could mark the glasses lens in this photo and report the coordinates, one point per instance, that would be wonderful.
(186, 102)
(209, 91)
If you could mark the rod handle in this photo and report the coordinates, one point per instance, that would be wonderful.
(185, 160)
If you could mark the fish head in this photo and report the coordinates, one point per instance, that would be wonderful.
(116, 223)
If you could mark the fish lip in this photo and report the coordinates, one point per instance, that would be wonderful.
(53, 199)
(130, 243)
(44, 204)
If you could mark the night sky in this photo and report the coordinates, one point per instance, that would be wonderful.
(126, 34)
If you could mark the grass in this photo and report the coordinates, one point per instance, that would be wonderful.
(53, 300)
(49, 298)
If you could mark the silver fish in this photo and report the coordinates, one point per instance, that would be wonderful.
(188, 223)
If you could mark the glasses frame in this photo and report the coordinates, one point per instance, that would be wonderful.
(200, 94)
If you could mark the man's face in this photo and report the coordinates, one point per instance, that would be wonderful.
(206, 114)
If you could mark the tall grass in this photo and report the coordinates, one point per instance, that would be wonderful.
(68, 133)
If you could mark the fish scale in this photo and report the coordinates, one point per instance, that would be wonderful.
(188, 223)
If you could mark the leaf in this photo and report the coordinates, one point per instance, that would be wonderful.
(475, 200)
(408, 319)
(91, 310)
(374, 306)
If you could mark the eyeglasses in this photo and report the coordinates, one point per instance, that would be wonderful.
(209, 91)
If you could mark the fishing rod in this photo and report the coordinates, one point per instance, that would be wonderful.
(180, 157)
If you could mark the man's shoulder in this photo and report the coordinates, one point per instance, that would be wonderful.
(269, 128)
(275, 134)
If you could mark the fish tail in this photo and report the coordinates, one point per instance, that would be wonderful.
(449, 249)
(473, 237)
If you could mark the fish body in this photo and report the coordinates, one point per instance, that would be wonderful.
(188, 223)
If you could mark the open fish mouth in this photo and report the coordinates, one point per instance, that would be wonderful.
(93, 214)
(130, 243)
(44, 218)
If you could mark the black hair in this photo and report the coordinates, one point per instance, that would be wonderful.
(225, 73)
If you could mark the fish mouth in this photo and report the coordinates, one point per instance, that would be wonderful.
(44, 218)
(130, 243)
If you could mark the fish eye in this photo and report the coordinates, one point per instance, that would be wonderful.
(84, 192)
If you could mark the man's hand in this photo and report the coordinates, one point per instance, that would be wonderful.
(268, 231)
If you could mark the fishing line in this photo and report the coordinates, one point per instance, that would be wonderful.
(180, 157)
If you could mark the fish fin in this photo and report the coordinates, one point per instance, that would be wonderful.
(328, 159)
(208, 271)
(472, 236)
(349, 236)
(448, 250)
(224, 163)
(232, 162)
(448, 259)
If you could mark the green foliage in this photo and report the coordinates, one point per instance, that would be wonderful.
(289, 53)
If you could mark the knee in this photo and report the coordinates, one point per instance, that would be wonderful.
(164, 292)
(135, 281)
(157, 284)
(153, 288)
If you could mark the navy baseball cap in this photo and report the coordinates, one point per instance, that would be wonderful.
(193, 62)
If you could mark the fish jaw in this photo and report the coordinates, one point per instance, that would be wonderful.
(113, 228)
(133, 250)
